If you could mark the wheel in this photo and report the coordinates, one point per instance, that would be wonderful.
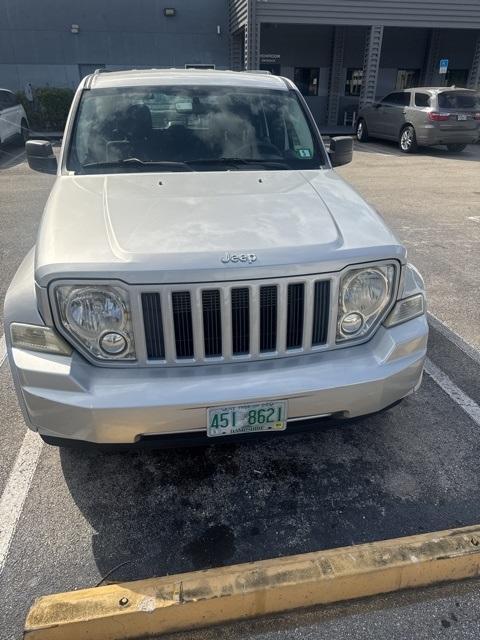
(362, 132)
(456, 148)
(408, 139)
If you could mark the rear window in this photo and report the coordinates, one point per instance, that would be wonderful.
(422, 100)
(459, 100)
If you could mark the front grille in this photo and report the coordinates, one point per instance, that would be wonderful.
(253, 320)
(295, 315)
(268, 318)
(152, 317)
(240, 321)
(182, 322)
(212, 323)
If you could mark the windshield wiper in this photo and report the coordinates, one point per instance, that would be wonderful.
(136, 162)
(269, 164)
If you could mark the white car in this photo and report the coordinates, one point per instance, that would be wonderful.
(13, 119)
(202, 272)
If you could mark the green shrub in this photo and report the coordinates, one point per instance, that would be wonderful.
(49, 109)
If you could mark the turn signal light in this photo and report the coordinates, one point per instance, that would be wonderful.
(438, 117)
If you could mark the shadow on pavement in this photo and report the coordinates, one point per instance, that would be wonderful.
(12, 154)
(471, 153)
(411, 470)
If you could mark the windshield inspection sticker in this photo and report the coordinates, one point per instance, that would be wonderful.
(303, 152)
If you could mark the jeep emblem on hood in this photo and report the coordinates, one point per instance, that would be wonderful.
(239, 257)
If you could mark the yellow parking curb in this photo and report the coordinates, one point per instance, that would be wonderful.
(202, 598)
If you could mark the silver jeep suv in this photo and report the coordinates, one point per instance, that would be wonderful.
(202, 272)
(424, 116)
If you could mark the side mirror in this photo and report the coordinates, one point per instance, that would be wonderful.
(40, 156)
(341, 151)
(376, 105)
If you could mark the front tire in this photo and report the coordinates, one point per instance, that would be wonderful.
(362, 132)
(408, 140)
(456, 148)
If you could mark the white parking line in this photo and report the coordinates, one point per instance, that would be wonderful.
(18, 483)
(16, 490)
(3, 350)
(456, 394)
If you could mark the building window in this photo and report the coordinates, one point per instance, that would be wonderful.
(353, 83)
(457, 77)
(407, 78)
(306, 79)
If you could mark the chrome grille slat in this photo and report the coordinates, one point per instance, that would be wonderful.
(308, 312)
(282, 317)
(201, 323)
(198, 325)
(225, 293)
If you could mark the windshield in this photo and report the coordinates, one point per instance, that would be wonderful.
(459, 100)
(189, 128)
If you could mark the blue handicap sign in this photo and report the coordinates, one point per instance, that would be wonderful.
(443, 66)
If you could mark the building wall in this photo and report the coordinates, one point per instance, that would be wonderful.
(406, 49)
(37, 46)
(300, 45)
(408, 13)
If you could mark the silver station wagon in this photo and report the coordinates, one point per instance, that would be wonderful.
(424, 116)
(202, 273)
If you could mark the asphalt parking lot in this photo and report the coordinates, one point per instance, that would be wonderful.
(75, 516)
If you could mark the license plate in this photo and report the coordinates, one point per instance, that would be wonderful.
(246, 418)
(462, 116)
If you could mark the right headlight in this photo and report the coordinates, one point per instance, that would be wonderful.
(99, 318)
(364, 296)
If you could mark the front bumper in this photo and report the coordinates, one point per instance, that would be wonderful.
(68, 398)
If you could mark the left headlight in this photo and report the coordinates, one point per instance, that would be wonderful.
(99, 318)
(364, 296)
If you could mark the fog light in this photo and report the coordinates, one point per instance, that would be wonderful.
(351, 323)
(113, 343)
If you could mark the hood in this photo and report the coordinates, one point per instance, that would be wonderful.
(183, 226)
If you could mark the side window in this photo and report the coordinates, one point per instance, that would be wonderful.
(388, 100)
(394, 100)
(405, 99)
(422, 100)
(306, 79)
